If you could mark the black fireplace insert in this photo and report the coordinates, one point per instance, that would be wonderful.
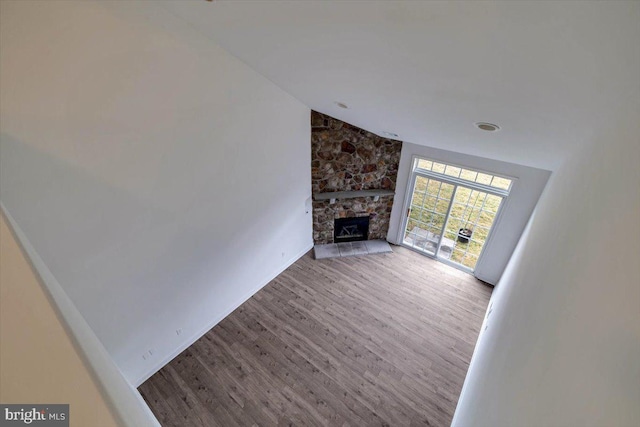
(351, 229)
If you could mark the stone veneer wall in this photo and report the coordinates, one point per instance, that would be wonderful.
(347, 158)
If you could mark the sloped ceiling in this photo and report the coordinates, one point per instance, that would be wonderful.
(551, 74)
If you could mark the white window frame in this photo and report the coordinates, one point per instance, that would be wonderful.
(415, 172)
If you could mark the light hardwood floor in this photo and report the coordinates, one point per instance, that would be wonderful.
(362, 341)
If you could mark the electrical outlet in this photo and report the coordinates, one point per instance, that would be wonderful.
(148, 354)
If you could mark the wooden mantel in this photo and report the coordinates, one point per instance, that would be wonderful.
(333, 196)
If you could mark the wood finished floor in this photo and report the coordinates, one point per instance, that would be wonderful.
(362, 341)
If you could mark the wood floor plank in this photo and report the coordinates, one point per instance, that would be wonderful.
(377, 340)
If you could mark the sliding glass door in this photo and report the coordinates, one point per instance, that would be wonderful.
(450, 217)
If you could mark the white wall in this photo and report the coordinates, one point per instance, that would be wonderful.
(53, 355)
(47, 351)
(562, 341)
(517, 208)
(161, 180)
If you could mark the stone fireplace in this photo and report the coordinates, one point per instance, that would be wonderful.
(353, 176)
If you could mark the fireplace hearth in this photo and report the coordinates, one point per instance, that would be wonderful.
(351, 229)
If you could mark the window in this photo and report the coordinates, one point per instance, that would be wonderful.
(463, 174)
(451, 211)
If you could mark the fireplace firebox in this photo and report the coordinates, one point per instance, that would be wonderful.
(351, 229)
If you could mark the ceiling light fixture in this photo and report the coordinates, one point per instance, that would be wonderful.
(489, 127)
(341, 105)
(391, 134)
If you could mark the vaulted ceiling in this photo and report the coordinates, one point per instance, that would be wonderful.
(550, 74)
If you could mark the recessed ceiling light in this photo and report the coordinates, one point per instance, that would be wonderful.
(391, 134)
(489, 127)
(341, 104)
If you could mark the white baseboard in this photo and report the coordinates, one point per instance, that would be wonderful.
(219, 318)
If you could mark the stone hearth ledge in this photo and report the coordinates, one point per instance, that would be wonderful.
(345, 249)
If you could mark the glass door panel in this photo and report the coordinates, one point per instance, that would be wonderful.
(470, 219)
(427, 214)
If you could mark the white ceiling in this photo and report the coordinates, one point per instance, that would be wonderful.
(551, 74)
